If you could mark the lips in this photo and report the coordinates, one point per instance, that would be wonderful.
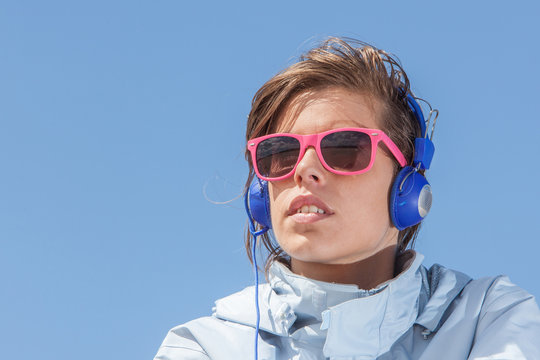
(308, 201)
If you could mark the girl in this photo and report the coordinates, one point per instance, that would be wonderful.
(337, 147)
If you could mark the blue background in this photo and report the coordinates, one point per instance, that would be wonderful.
(120, 120)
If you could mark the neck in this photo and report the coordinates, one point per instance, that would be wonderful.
(367, 273)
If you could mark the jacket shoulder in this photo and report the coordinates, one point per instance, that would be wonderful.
(181, 343)
(504, 298)
(497, 294)
(508, 321)
(206, 338)
(210, 337)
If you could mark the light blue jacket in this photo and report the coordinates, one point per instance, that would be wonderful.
(420, 314)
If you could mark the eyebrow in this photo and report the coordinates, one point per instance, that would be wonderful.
(338, 124)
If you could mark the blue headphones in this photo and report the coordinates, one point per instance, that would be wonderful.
(410, 198)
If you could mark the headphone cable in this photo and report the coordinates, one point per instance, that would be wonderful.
(255, 233)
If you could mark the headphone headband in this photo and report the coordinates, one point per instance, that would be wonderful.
(417, 111)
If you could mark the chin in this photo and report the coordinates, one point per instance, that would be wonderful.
(302, 247)
(319, 250)
(312, 249)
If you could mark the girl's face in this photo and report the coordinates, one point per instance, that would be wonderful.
(356, 223)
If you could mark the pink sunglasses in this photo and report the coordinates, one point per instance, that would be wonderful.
(345, 151)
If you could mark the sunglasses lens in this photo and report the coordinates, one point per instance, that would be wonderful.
(347, 150)
(277, 156)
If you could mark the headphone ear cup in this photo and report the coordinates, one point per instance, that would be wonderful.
(410, 198)
(259, 202)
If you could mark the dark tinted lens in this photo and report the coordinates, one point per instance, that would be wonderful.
(347, 150)
(277, 156)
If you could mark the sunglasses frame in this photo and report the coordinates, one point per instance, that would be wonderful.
(314, 140)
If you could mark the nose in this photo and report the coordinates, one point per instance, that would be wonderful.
(310, 170)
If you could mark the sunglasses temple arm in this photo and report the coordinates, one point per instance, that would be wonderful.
(393, 149)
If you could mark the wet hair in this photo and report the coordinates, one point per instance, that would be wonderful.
(346, 64)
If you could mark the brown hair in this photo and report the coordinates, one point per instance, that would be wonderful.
(342, 63)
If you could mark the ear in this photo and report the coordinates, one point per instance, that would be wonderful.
(259, 202)
(410, 198)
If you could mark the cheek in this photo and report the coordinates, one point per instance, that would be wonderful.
(367, 201)
(278, 204)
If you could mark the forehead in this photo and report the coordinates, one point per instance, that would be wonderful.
(321, 110)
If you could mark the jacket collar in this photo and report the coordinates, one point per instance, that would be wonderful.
(440, 287)
(370, 324)
(376, 318)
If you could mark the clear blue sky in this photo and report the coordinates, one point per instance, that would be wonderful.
(116, 115)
